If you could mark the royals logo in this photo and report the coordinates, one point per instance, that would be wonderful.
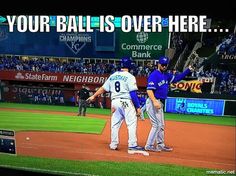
(181, 105)
(75, 42)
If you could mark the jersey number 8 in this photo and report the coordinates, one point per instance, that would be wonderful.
(117, 86)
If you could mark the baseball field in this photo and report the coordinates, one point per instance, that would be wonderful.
(53, 139)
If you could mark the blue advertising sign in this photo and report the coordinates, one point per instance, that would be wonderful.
(92, 44)
(55, 44)
(195, 106)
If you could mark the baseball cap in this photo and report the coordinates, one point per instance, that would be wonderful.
(164, 60)
(126, 62)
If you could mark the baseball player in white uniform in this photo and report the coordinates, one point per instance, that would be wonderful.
(125, 105)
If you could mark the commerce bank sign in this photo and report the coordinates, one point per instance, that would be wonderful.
(143, 45)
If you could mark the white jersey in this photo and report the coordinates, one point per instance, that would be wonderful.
(120, 84)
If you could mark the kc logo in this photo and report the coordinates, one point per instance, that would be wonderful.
(75, 42)
(75, 46)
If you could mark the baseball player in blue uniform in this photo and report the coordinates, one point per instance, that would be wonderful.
(157, 90)
(125, 105)
(142, 101)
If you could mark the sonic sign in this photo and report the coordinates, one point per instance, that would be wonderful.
(146, 45)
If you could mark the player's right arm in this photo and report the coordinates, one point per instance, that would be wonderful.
(100, 91)
(151, 87)
(155, 102)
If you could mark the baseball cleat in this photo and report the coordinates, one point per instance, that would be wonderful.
(136, 148)
(151, 148)
(113, 148)
(164, 149)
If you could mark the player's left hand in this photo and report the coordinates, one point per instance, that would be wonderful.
(191, 68)
(157, 104)
(138, 112)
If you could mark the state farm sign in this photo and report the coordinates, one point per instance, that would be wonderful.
(75, 78)
(35, 77)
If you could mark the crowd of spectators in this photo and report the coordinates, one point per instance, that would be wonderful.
(227, 46)
(225, 79)
(57, 66)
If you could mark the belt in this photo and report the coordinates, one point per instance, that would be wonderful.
(120, 98)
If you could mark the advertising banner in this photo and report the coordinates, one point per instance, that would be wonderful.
(193, 86)
(143, 45)
(195, 106)
(52, 77)
(60, 77)
(201, 85)
(53, 44)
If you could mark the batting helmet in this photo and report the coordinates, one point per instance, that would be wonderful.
(126, 62)
(163, 60)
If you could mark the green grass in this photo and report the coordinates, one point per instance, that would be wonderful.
(49, 122)
(53, 108)
(102, 168)
(225, 120)
(228, 121)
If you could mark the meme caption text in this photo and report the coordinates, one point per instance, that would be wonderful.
(146, 23)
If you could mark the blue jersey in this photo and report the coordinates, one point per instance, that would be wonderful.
(142, 101)
(159, 82)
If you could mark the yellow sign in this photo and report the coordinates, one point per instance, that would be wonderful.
(193, 86)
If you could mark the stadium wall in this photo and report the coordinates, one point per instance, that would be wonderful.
(61, 89)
